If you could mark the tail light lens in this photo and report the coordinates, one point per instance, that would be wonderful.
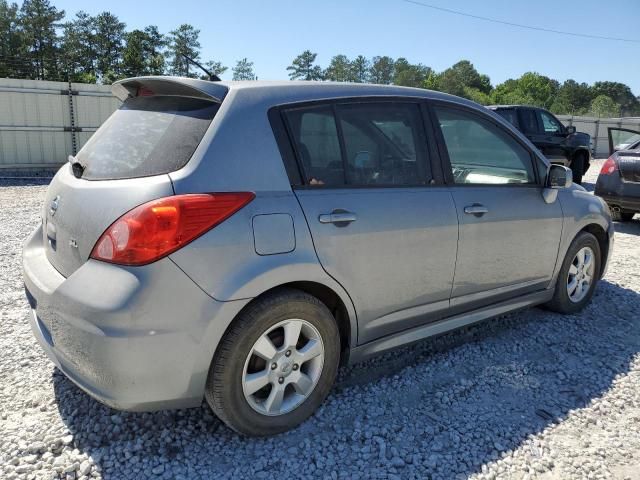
(609, 167)
(155, 229)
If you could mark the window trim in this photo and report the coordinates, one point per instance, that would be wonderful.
(444, 152)
(437, 179)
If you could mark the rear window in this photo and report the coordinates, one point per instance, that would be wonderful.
(509, 114)
(147, 136)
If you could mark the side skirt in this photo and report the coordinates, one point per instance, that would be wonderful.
(400, 339)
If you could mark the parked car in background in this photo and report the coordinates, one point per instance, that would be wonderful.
(560, 144)
(619, 179)
(238, 241)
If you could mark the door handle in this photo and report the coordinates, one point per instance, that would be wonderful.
(337, 217)
(476, 209)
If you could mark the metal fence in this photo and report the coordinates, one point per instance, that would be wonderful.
(598, 128)
(42, 123)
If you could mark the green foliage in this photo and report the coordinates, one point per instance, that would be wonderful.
(605, 106)
(216, 68)
(12, 44)
(141, 54)
(382, 70)
(244, 70)
(359, 69)
(183, 42)
(620, 94)
(410, 75)
(38, 19)
(303, 67)
(339, 69)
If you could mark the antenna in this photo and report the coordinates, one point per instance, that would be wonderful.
(212, 77)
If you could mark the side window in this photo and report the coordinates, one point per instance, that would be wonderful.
(481, 152)
(549, 123)
(316, 138)
(528, 120)
(509, 114)
(382, 144)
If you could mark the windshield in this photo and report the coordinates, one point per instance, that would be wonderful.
(147, 136)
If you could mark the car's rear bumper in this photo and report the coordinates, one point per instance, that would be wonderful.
(617, 193)
(134, 338)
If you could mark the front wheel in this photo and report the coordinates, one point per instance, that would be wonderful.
(578, 276)
(577, 168)
(275, 365)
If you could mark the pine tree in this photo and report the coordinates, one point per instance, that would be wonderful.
(244, 70)
(38, 19)
(303, 67)
(184, 42)
(339, 70)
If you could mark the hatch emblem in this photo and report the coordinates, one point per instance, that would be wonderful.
(53, 208)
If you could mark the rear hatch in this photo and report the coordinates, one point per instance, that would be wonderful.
(629, 165)
(125, 163)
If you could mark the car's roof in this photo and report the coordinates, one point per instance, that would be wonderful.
(297, 90)
(493, 107)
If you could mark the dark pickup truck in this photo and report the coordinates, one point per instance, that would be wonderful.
(558, 143)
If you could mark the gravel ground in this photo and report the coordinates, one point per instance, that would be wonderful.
(529, 395)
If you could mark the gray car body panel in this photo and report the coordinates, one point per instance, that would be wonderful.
(143, 338)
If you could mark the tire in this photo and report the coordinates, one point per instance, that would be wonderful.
(236, 358)
(561, 301)
(620, 216)
(577, 168)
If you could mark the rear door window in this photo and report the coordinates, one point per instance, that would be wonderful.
(363, 144)
(509, 114)
(147, 136)
(528, 120)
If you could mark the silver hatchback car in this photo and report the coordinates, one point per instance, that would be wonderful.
(238, 241)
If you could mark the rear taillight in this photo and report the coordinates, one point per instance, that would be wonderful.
(609, 167)
(155, 229)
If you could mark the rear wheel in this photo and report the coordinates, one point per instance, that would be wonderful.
(276, 364)
(577, 168)
(578, 276)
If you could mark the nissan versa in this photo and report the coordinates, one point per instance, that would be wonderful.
(238, 241)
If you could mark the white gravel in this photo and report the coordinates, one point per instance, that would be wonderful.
(530, 395)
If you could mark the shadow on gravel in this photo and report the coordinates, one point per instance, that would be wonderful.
(632, 227)
(443, 407)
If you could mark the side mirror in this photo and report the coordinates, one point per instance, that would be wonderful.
(559, 177)
(570, 130)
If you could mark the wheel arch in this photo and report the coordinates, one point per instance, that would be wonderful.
(603, 241)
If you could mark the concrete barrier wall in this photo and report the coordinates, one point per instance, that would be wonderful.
(42, 123)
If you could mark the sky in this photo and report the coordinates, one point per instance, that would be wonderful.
(272, 33)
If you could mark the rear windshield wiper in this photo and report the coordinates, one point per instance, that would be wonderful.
(76, 166)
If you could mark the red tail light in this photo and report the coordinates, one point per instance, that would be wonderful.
(155, 229)
(609, 167)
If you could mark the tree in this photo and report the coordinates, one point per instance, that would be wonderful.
(244, 70)
(620, 94)
(38, 19)
(183, 41)
(78, 48)
(339, 69)
(530, 89)
(409, 75)
(382, 70)
(142, 54)
(216, 68)
(359, 69)
(12, 45)
(303, 68)
(109, 38)
(573, 97)
(604, 106)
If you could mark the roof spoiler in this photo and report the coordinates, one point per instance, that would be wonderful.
(169, 86)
